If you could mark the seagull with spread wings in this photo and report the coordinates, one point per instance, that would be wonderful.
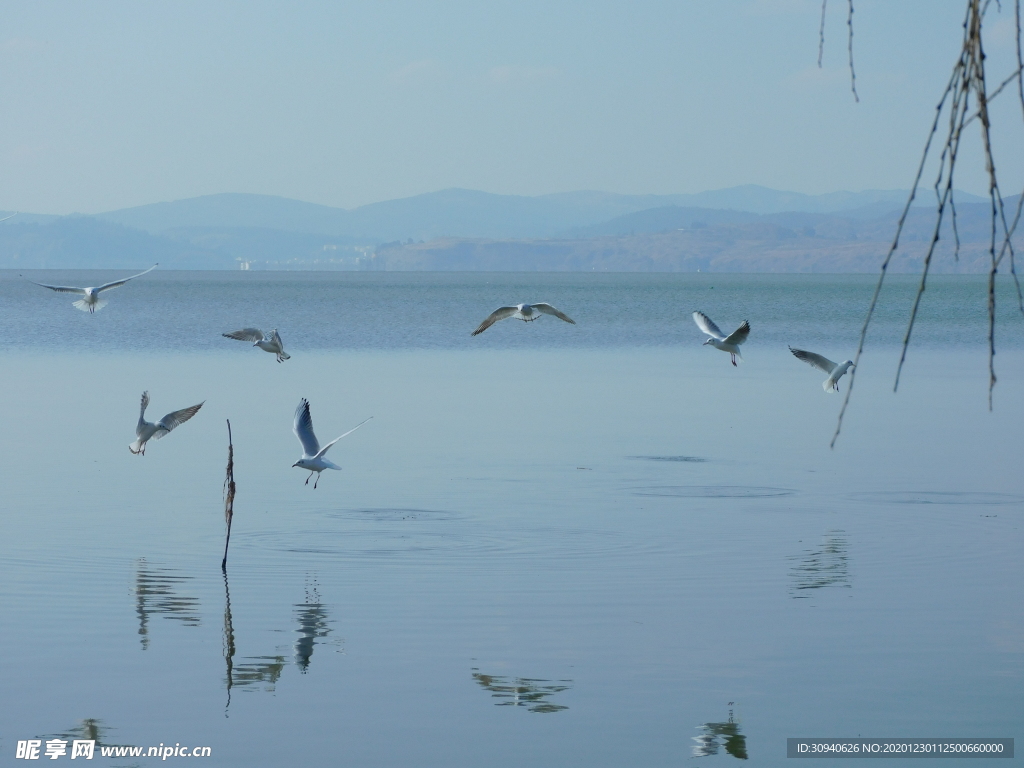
(147, 430)
(525, 312)
(91, 300)
(719, 340)
(269, 342)
(312, 454)
(835, 371)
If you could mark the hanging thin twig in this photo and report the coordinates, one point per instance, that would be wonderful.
(888, 258)
(821, 33)
(229, 497)
(966, 82)
(849, 46)
(849, 43)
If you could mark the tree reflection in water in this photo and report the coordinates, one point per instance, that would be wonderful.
(528, 692)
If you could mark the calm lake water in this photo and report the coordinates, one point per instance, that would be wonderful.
(554, 545)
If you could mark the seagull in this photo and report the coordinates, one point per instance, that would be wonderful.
(92, 301)
(312, 454)
(525, 312)
(147, 431)
(719, 340)
(267, 342)
(5, 218)
(835, 371)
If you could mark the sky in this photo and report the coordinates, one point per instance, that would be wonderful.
(116, 103)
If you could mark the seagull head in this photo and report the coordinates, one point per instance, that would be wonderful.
(707, 342)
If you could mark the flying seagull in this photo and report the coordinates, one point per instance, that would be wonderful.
(719, 340)
(267, 342)
(525, 312)
(147, 431)
(91, 300)
(312, 454)
(835, 371)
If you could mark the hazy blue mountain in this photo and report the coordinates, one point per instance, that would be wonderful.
(83, 242)
(233, 210)
(470, 213)
(678, 239)
(485, 231)
(663, 219)
(29, 218)
(462, 213)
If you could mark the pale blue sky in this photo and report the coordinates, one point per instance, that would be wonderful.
(111, 103)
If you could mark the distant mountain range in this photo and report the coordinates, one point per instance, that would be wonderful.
(469, 213)
(228, 231)
(678, 239)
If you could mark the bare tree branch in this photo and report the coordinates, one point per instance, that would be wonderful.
(821, 33)
(849, 46)
(967, 82)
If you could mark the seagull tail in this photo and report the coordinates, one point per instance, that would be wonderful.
(136, 447)
(85, 306)
(283, 356)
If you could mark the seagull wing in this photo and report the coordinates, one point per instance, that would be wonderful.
(303, 429)
(819, 362)
(5, 218)
(142, 414)
(119, 283)
(499, 314)
(276, 338)
(707, 325)
(547, 309)
(60, 288)
(323, 450)
(174, 418)
(246, 334)
(739, 335)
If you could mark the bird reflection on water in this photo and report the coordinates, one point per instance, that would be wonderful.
(522, 691)
(313, 623)
(725, 735)
(90, 729)
(155, 595)
(825, 566)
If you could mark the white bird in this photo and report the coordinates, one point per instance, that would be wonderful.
(312, 454)
(719, 340)
(835, 371)
(147, 431)
(91, 301)
(267, 342)
(525, 312)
